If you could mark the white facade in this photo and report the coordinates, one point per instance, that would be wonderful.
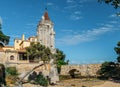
(45, 32)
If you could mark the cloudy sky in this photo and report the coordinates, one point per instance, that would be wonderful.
(87, 31)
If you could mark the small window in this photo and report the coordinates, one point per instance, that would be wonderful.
(17, 41)
(11, 57)
(47, 26)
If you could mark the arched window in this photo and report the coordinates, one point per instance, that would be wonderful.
(11, 57)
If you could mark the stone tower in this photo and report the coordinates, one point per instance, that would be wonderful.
(45, 32)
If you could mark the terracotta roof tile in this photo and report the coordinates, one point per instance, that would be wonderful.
(46, 16)
(8, 47)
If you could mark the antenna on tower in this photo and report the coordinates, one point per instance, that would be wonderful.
(46, 5)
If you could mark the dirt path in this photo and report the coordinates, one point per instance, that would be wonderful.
(78, 83)
(81, 83)
(109, 84)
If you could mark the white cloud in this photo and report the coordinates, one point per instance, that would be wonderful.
(113, 22)
(70, 1)
(71, 7)
(86, 36)
(76, 15)
(82, 1)
(49, 4)
(77, 12)
(113, 15)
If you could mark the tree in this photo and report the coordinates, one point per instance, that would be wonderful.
(60, 59)
(3, 38)
(107, 70)
(117, 50)
(111, 69)
(37, 52)
(114, 3)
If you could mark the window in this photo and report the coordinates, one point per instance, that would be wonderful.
(17, 41)
(11, 57)
(47, 26)
(22, 56)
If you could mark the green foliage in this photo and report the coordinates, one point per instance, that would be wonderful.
(114, 3)
(41, 80)
(117, 50)
(12, 71)
(38, 79)
(60, 59)
(111, 69)
(39, 52)
(108, 70)
(4, 38)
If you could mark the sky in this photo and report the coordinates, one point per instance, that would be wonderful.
(86, 31)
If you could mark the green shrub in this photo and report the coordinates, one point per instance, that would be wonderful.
(38, 79)
(41, 80)
(64, 77)
(12, 71)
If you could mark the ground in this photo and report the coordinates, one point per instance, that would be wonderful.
(73, 83)
(79, 83)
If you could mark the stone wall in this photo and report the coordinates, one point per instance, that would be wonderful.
(24, 68)
(84, 70)
(2, 57)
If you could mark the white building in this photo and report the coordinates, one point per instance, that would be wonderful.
(17, 53)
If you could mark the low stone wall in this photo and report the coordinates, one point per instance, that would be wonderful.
(24, 68)
(84, 70)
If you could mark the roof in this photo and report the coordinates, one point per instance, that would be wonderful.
(8, 47)
(46, 16)
(22, 50)
(32, 37)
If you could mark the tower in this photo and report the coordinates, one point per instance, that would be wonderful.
(45, 32)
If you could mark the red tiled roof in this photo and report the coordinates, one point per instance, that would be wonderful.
(8, 47)
(46, 16)
(22, 50)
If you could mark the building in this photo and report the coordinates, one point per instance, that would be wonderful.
(46, 33)
(17, 54)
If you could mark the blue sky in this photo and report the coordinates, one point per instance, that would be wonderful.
(86, 30)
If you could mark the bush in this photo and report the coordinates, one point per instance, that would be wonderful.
(109, 70)
(12, 71)
(38, 79)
